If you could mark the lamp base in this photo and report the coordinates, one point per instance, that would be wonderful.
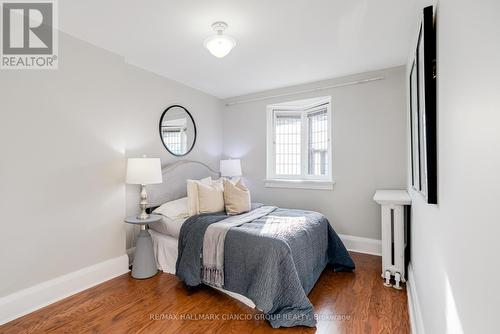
(143, 204)
(143, 216)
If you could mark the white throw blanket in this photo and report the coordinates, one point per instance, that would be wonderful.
(213, 244)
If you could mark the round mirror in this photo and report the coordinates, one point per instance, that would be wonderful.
(177, 130)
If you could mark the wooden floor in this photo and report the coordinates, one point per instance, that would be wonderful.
(344, 302)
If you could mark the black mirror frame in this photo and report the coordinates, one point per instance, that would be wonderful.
(194, 126)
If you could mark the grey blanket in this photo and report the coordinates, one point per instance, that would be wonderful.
(274, 260)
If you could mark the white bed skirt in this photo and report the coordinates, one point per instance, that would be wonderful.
(166, 251)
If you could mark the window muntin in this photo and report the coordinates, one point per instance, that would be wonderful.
(287, 139)
(317, 149)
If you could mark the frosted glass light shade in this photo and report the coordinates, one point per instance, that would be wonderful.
(144, 171)
(230, 167)
(220, 45)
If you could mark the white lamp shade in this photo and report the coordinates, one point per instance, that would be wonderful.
(144, 171)
(230, 167)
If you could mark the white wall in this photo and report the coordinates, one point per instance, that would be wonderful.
(369, 149)
(455, 243)
(64, 137)
(151, 95)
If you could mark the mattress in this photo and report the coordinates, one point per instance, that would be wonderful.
(165, 250)
(167, 226)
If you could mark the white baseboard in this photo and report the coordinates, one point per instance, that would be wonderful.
(33, 298)
(417, 324)
(362, 245)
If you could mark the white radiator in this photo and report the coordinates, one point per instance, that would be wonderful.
(393, 234)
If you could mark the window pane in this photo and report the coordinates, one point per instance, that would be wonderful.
(318, 143)
(175, 140)
(287, 147)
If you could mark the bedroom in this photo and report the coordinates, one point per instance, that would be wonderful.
(310, 108)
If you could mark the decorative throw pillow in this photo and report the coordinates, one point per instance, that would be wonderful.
(192, 194)
(210, 198)
(236, 197)
(218, 184)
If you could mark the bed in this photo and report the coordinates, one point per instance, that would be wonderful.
(269, 258)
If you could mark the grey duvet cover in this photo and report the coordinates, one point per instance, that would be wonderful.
(274, 260)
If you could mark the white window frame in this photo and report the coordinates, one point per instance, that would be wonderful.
(303, 181)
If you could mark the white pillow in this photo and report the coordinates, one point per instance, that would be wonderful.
(192, 194)
(171, 227)
(218, 184)
(210, 197)
(174, 209)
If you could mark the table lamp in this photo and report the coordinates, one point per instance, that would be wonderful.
(230, 168)
(143, 171)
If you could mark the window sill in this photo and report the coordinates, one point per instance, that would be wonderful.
(299, 184)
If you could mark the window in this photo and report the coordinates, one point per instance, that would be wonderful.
(287, 140)
(299, 152)
(175, 139)
(174, 135)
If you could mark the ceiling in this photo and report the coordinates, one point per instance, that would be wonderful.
(279, 42)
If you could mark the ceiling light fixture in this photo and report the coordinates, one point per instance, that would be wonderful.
(220, 45)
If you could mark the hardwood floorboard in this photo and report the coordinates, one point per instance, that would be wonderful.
(344, 303)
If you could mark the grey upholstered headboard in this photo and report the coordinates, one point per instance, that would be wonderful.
(174, 181)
